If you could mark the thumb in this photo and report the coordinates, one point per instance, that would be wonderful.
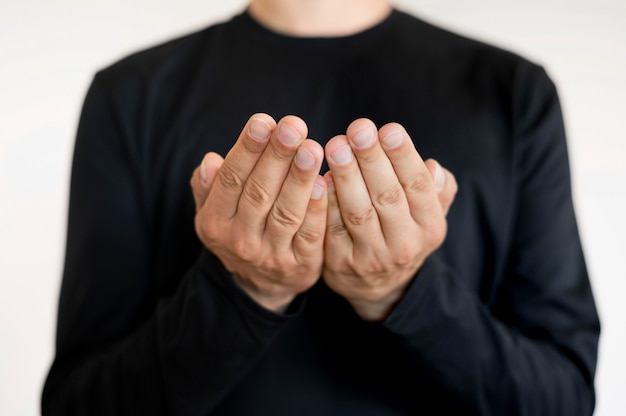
(203, 177)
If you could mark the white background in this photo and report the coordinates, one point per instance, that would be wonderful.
(49, 51)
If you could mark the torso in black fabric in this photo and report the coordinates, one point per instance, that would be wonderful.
(499, 321)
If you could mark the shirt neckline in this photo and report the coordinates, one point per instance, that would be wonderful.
(259, 30)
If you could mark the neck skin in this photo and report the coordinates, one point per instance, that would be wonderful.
(319, 18)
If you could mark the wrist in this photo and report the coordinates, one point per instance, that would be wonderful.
(377, 310)
(273, 302)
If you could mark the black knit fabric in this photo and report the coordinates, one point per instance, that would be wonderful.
(499, 321)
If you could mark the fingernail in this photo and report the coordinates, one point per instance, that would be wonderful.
(440, 178)
(260, 130)
(364, 138)
(288, 135)
(203, 177)
(393, 140)
(318, 191)
(343, 155)
(304, 159)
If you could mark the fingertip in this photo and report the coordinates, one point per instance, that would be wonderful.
(309, 155)
(265, 117)
(292, 130)
(338, 151)
(335, 142)
(319, 188)
(212, 159)
(448, 195)
(202, 170)
(392, 126)
(304, 159)
(315, 148)
(330, 181)
(359, 124)
(209, 166)
(393, 140)
(296, 122)
(437, 173)
(362, 133)
(451, 182)
(260, 127)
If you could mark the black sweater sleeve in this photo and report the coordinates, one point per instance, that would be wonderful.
(529, 349)
(149, 323)
(122, 347)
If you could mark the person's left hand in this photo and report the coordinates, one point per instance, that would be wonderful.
(386, 214)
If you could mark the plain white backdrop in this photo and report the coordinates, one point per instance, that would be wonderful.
(49, 52)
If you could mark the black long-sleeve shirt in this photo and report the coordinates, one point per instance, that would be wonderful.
(500, 320)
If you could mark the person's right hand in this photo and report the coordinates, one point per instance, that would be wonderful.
(265, 213)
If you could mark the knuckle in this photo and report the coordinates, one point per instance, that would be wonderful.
(284, 216)
(420, 183)
(337, 229)
(243, 249)
(309, 234)
(272, 267)
(333, 203)
(203, 233)
(210, 232)
(405, 257)
(390, 196)
(255, 193)
(360, 217)
(316, 209)
(375, 269)
(341, 268)
(229, 179)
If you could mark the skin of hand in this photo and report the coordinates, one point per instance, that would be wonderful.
(262, 210)
(386, 213)
(372, 249)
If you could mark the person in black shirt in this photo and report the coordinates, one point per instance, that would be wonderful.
(387, 285)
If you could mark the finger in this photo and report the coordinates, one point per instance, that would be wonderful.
(203, 177)
(239, 162)
(290, 207)
(337, 241)
(357, 212)
(309, 239)
(385, 191)
(412, 173)
(445, 184)
(264, 183)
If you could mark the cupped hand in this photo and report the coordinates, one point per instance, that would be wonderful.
(262, 210)
(386, 215)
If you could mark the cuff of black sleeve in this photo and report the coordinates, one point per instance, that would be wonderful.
(213, 268)
(403, 318)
